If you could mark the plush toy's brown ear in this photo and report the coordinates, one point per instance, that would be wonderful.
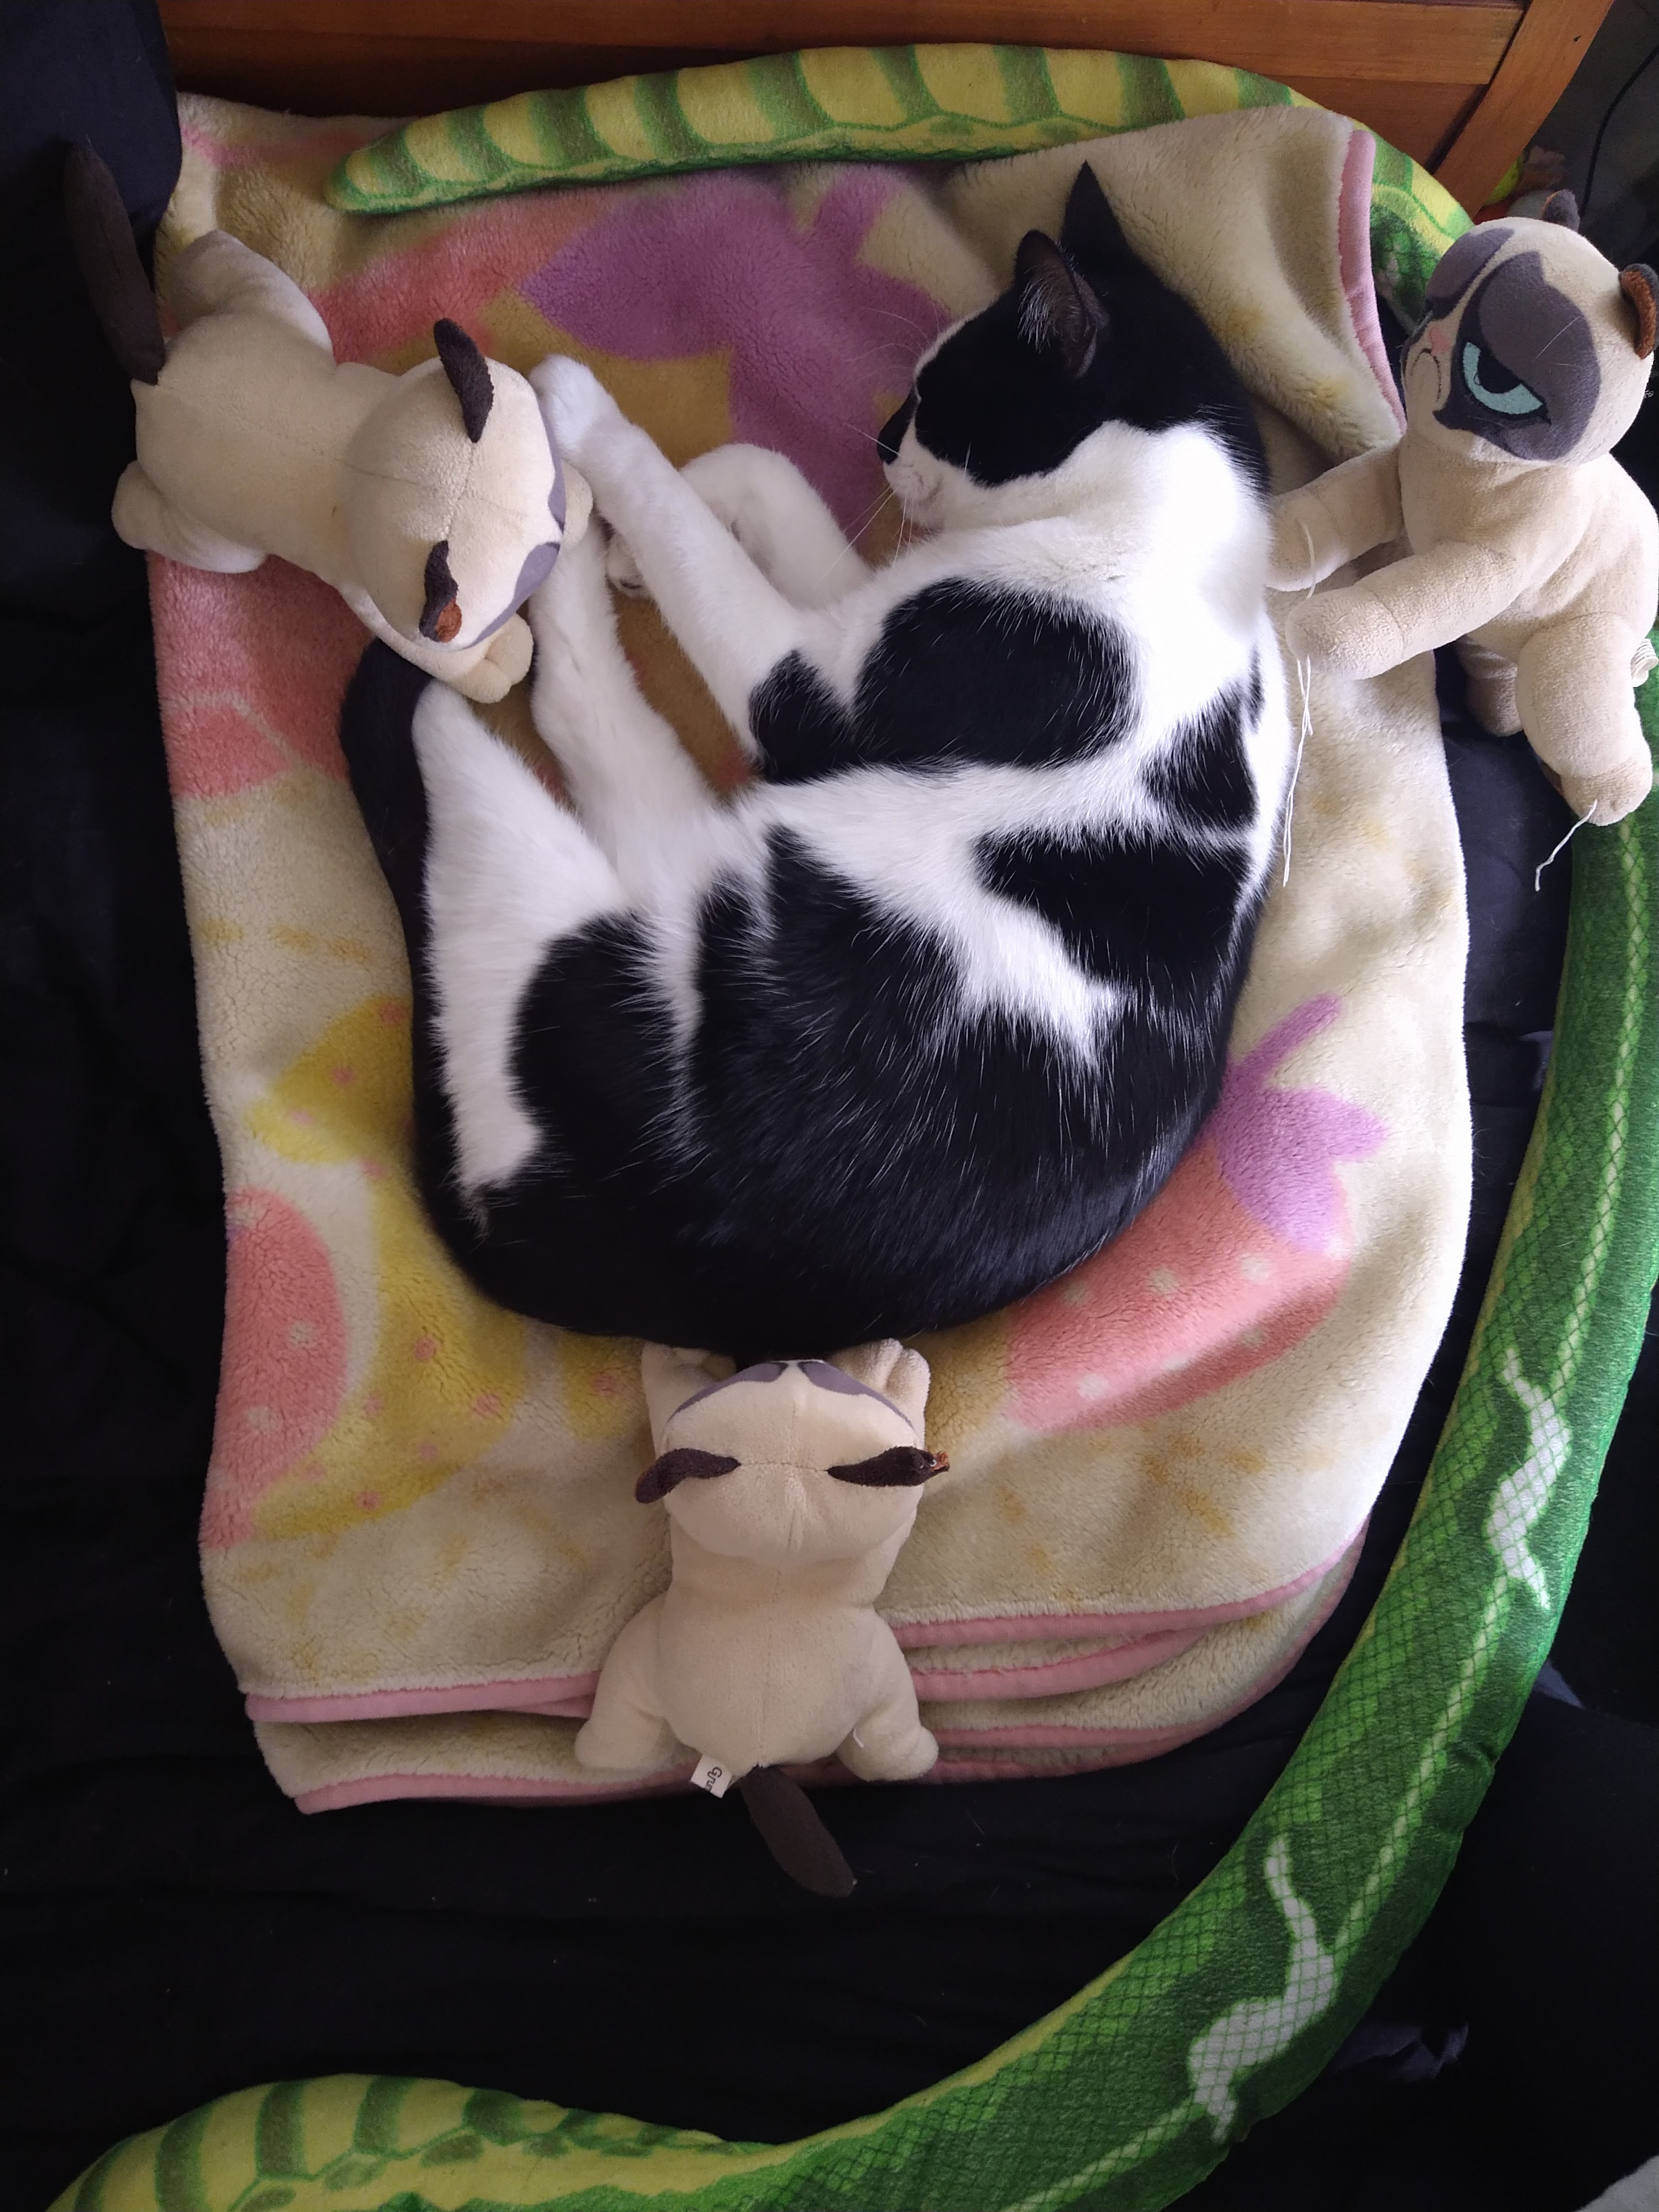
(683, 1466)
(1058, 308)
(469, 372)
(1561, 208)
(1641, 287)
(440, 617)
(904, 1463)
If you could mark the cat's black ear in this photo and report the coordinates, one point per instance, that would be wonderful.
(1059, 313)
(1091, 233)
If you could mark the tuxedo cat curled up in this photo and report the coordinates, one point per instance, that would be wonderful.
(931, 1008)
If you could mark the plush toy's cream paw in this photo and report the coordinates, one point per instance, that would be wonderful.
(1616, 792)
(574, 404)
(881, 1755)
(1348, 631)
(1490, 697)
(510, 649)
(504, 662)
(1290, 555)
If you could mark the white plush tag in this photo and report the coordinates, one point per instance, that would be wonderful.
(708, 1774)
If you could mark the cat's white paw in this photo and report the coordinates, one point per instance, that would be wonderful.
(623, 570)
(739, 485)
(573, 605)
(574, 404)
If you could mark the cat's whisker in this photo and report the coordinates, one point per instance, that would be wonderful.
(909, 322)
(866, 522)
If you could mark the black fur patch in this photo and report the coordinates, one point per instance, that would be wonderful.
(1205, 772)
(960, 673)
(1135, 910)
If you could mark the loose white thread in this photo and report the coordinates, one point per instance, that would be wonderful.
(1304, 677)
(1538, 873)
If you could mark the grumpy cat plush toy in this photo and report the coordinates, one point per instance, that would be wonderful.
(1528, 545)
(433, 501)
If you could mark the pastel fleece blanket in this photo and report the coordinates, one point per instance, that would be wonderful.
(419, 1535)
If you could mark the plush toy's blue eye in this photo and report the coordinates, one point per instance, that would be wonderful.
(1496, 386)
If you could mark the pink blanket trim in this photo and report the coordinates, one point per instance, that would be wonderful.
(1353, 244)
(1139, 1641)
(1057, 1627)
(484, 1789)
(558, 1694)
(1101, 1748)
(1143, 1743)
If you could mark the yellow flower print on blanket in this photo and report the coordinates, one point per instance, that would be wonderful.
(299, 1451)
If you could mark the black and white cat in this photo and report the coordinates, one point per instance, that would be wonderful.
(930, 1009)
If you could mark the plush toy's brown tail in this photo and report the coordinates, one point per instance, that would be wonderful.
(792, 1831)
(101, 238)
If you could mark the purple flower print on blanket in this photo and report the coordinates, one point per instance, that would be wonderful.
(817, 339)
(1240, 1256)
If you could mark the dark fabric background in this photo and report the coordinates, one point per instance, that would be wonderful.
(171, 1928)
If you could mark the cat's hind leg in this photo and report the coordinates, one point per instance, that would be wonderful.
(524, 997)
(638, 793)
(776, 517)
(509, 872)
(487, 872)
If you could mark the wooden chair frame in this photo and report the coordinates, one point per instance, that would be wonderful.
(1461, 84)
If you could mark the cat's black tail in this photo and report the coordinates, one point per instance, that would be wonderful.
(792, 1831)
(377, 736)
(101, 237)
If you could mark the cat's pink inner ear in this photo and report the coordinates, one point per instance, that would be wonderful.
(1058, 309)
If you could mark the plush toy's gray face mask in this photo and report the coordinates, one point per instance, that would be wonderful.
(1523, 371)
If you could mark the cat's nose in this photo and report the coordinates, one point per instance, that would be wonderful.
(893, 429)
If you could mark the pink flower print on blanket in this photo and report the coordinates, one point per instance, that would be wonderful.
(816, 337)
(1240, 1256)
(252, 670)
(284, 1371)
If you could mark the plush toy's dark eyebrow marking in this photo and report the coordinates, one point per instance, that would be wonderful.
(440, 617)
(1462, 262)
(681, 1466)
(468, 372)
(904, 1463)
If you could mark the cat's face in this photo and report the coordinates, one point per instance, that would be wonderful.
(1086, 335)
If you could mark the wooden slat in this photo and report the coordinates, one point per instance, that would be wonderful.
(1421, 119)
(372, 56)
(1551, 41)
